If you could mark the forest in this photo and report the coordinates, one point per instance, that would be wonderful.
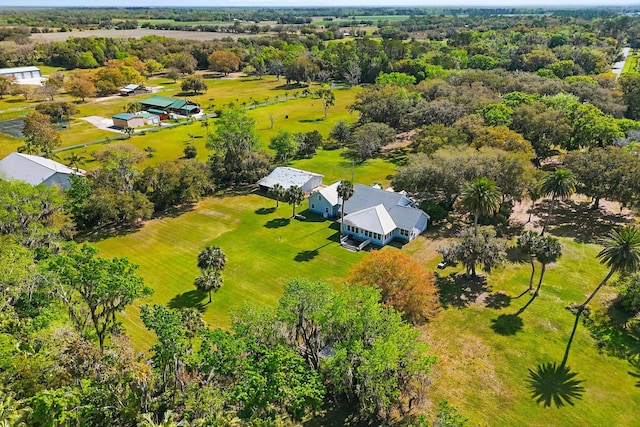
(483, 117)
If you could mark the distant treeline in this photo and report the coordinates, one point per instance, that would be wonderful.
(84, 18)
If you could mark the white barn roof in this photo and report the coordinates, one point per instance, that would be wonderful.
(17, 70)
(375, 219)
(31, 169)
(287, 177)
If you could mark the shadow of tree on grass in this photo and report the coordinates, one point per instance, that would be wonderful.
(306, 256)
(507, 324)
(265, 211)
(635, 364)
(277, 223)
(554, 384)
(188, 299)
(458, 290)
(497, 300)
(578, 220)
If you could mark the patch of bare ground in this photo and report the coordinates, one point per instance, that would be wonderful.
(575, 217)
(402, 140)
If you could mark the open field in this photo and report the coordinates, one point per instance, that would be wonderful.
(632, 64)
(321, 20)
(264, 248)
(289, 113)
(138, 33)
(485, 351)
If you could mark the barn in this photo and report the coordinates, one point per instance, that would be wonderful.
(36, 170)
(289, 177)
(23, 75)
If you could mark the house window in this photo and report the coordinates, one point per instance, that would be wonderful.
(404, 233)
(326, 210)
(313, 206)
(319, 197)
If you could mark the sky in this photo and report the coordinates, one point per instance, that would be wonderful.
(314, 3)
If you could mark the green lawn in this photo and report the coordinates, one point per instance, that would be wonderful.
(632, 64)
(480, 368)
(263, 246)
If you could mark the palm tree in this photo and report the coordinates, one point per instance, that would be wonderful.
(527, 244)
(167, 421)
(547, 250)
(558, 184)
(209, 280)
(294, 196)
(277, 192)
(345, 191)
(212, 258)
(622, 255)
(481, 197)
(75, 160)
(533, 191)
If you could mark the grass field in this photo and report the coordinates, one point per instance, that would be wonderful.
(632, 64)
(480, 368)
(289, 113)
(264, 247)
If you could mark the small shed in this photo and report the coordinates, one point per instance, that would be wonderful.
(36, 170)
(134, 89)
(289, 177)
(134, 120)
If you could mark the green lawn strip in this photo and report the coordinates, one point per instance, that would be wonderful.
(631, 64)
(263, 252)
(482, 369)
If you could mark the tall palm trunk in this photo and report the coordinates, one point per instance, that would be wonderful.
(604, 282)
(579, 313)
(533, 272)
(535, 294)
(546, 220)
(475, 223)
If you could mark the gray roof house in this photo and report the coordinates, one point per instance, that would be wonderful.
(289, 177)
(36, 170)
(372, 213)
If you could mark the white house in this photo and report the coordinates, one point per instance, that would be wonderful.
(372, 213)
(36, 170)
(289, 177)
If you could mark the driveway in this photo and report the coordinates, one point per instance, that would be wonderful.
(618, 66)
(102, 123)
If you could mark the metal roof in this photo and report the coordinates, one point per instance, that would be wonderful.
(375, 219)
(18, 70)
(287, 177)
(365, 197)
(330, 193)
(159, 101)
(31, 169)
(124, 116)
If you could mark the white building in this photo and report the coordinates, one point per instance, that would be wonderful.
(289, 177)
(24, 75)
(36, 170)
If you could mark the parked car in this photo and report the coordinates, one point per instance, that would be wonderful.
(442, 265)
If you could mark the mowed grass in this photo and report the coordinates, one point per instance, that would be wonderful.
(480, 368)
(264, 248)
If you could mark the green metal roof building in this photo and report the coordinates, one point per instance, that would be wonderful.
(157, 104)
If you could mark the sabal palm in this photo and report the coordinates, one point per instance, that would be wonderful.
(547, 251)
(558, 184)
(295, 196)
(12, 412)
(481, 197)
(621, 254)
(209, 280)
(277, 192)
(345, 192)
(527, 244)
(212, 258)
